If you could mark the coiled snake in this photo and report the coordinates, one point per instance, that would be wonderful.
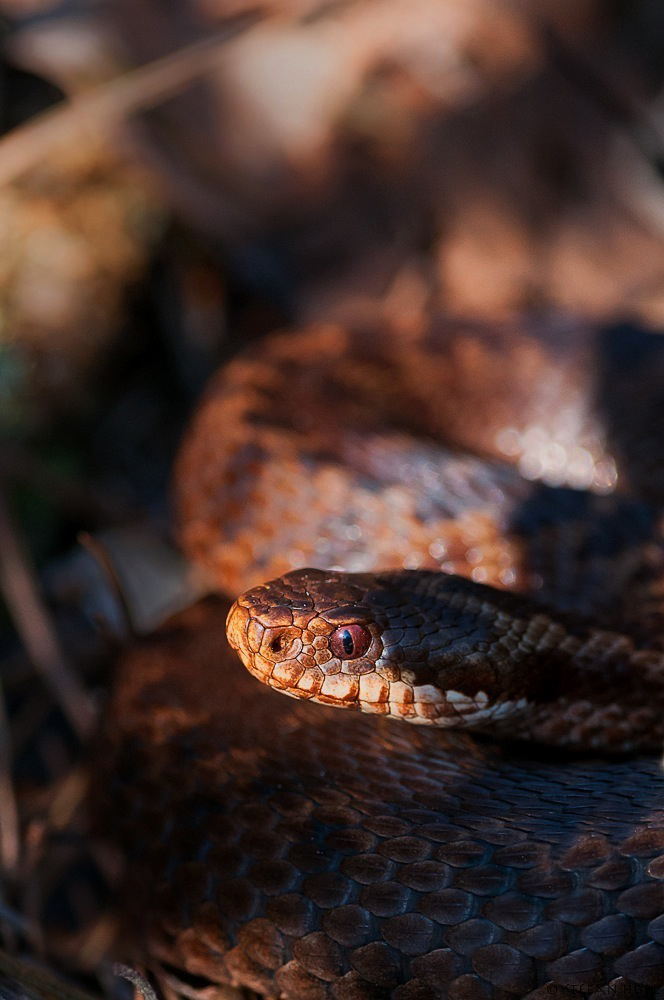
(311, 853)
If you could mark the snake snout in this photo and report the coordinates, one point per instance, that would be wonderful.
(236, 627)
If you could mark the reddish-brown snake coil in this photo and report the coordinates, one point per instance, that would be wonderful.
(310, 853)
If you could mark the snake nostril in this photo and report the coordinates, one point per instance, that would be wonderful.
(277, 644)
(280, 643)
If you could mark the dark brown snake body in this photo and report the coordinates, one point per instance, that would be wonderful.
(309, 853)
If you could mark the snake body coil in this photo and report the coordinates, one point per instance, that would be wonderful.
(308, 853)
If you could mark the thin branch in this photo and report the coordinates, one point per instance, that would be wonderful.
(41, 982)
(18, 584)
(102, 108)
(9, 823)
(139, 981)
(19, 923)
(102, 557)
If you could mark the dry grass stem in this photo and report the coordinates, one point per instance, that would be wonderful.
(39, 982)
(9, 823)
(103, 108)
(18, 585)
(101, 555)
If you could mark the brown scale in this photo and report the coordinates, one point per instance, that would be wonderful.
(306, 853)
(301, 851)
(443, 650)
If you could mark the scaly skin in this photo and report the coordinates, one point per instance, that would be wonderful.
(442, 650)
(311, 854)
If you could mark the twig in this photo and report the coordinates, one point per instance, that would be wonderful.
(99, 110)
(640, 125)
(101, 555)
(19, 587)
(19, 922)
(42, 983)
(9, 823)
(139, 981)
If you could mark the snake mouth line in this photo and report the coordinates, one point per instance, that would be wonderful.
(368, 690)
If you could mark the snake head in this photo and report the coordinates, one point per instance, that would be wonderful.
(380, 643)
(309, 634)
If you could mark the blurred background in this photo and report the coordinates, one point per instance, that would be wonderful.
(176, 180)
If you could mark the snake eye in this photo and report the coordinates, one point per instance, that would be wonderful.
(350, 641)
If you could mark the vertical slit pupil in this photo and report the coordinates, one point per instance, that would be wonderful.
(350, 641)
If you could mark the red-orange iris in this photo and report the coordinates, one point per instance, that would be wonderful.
(350, 641)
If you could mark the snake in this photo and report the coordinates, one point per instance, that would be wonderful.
(452, 530)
